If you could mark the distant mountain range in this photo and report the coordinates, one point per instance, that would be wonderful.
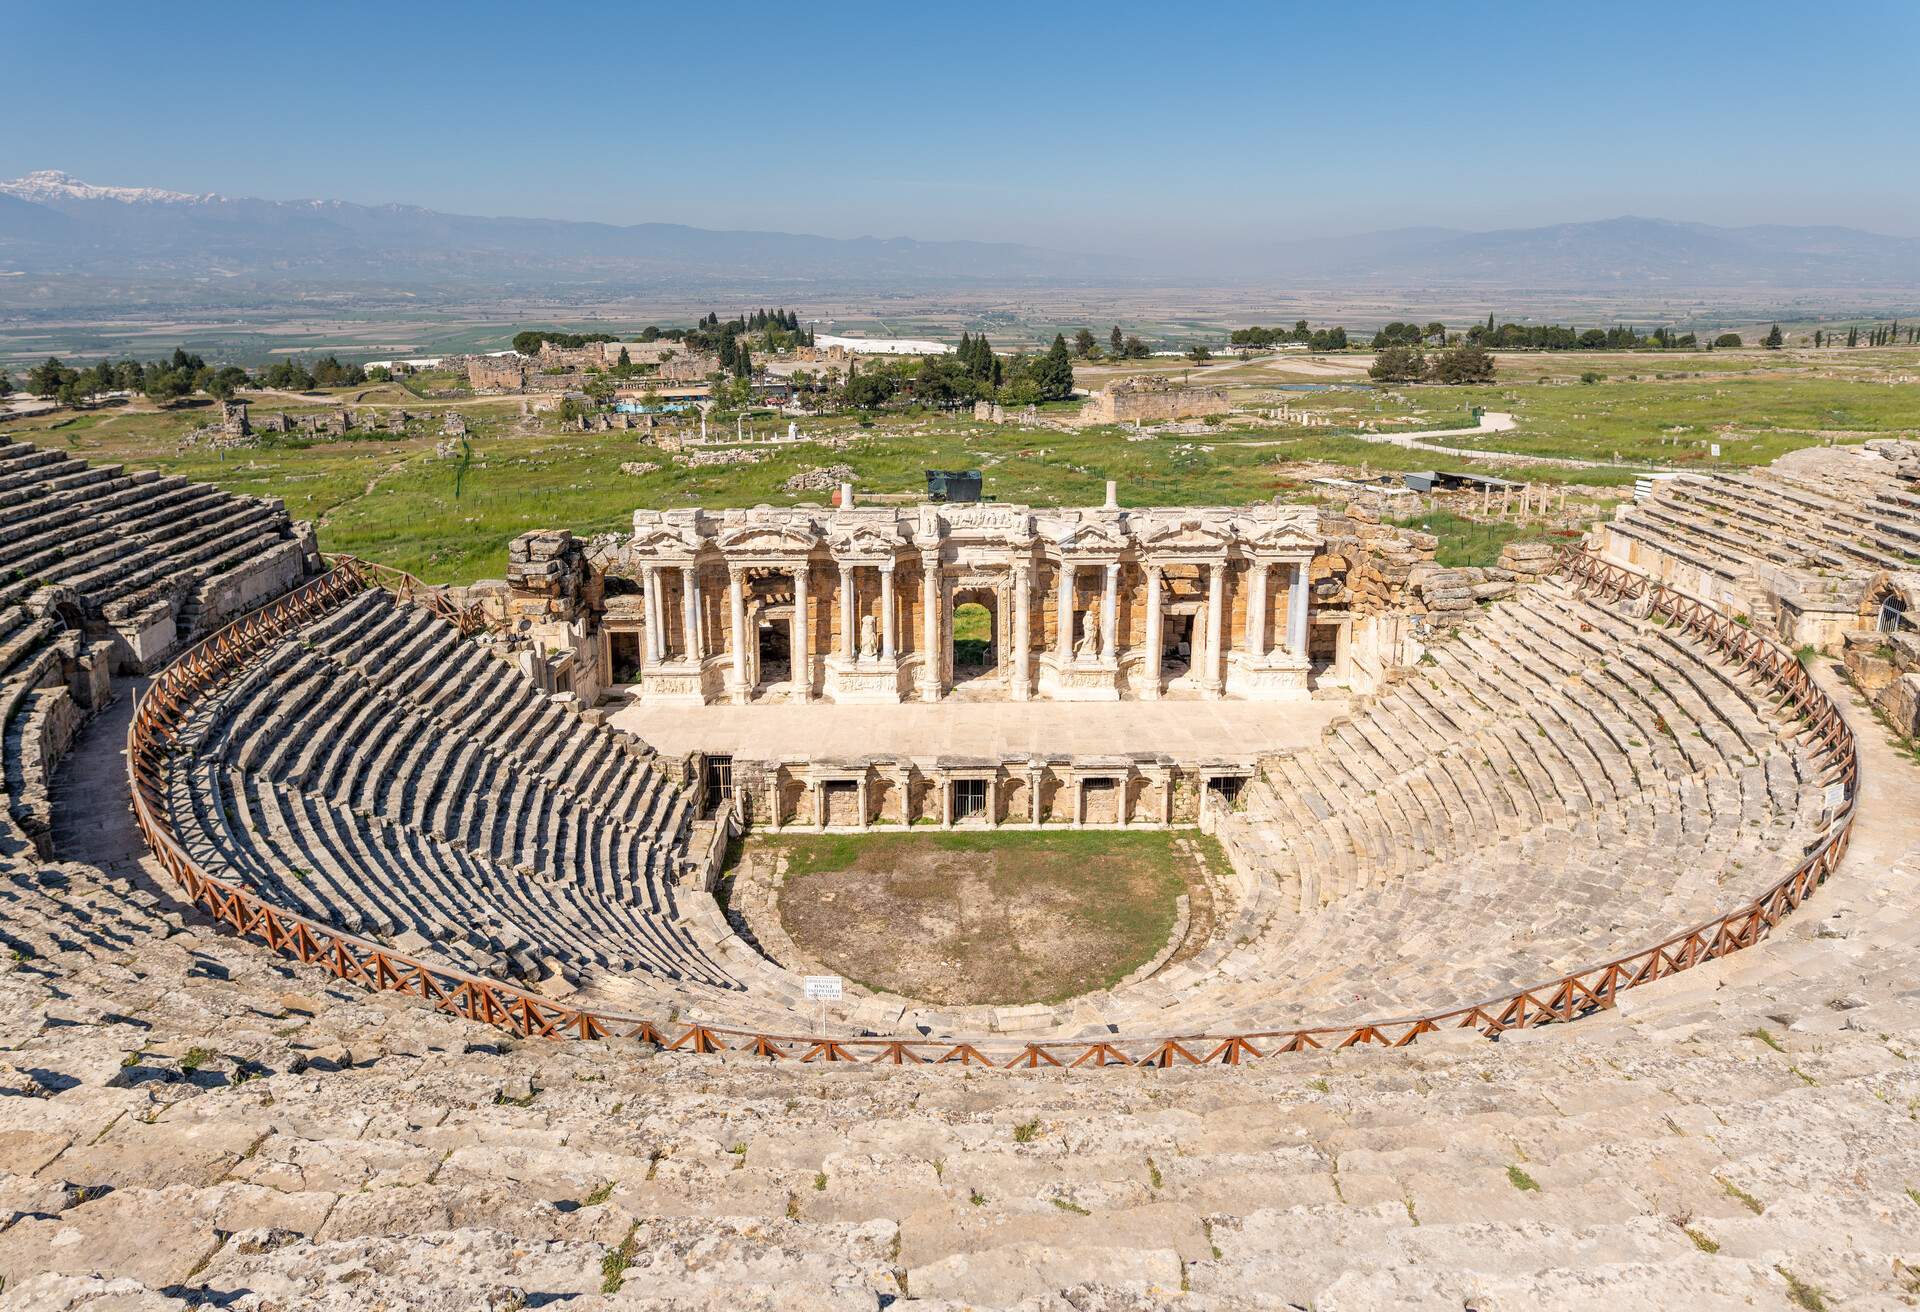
(52, 224)
(1623, 252)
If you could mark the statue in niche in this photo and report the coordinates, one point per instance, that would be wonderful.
(869, 639)
(1089, 646)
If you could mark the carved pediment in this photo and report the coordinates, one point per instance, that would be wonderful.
(664, 540)
(1093, 537)
(1278, 535)
(865, 540)
(1188, 534)
(768, 539)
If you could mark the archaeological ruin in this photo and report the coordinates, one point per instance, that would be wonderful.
(1152, 400)
(367, 938)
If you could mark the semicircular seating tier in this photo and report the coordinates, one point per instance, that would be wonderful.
(1553, 786)
(153, 559)
(379, 773)
(104, 571)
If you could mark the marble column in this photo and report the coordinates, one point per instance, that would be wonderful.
(737, 599)
(799, 655)
(1063, 619)
(690, 612)
(1033, 795)
(1297, 611)
(656, 647)
(932, 658)
(1018, 639)
(1256, 639)
(888, 637)
(1216, 626)
(849, 640)
(1150, 690)
(1110, 615)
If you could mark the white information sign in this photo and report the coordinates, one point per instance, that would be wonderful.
(821, 988)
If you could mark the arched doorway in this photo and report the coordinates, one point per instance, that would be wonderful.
(1892, 614)
(976, 638)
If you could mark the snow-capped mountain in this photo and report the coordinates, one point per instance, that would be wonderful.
(53, 185)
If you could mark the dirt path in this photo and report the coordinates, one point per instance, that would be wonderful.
(390, 471)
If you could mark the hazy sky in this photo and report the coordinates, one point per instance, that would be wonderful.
(1111, 128)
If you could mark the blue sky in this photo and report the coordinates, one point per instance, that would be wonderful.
(1130, 128)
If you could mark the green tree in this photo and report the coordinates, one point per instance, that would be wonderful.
(6, 384)
(942, 380)
(1468, 362)
(1199, 354)
(163, 386)
(1398, 364)
(1116, 343)
(1730, 340)
(1134, 349)
(1083, 343)
(868, 391)
(1774, 339)
(1052, 373)
(45, 380)
(223, 382)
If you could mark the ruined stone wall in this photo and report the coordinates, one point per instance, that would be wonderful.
(1150, 400)
(653, 352)
(497, 373)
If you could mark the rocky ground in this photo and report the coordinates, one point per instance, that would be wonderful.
(187, 1121)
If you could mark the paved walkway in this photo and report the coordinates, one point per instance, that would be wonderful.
(1185, 730)
(1492, 421)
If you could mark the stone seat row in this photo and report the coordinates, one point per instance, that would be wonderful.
(1732, 524)
(1868, 531)
(1753, 513)
(1473, 923)
(1526, 909)
(423, 663)
(151, 559)
(425, 789)
(342, 738)
(387, 881)
(26, 660)
(1566, 742)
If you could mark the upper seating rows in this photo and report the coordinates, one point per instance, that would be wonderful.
(1732, 524)
(156, 560)
(379, 773)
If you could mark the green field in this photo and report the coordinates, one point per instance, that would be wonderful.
(395, 500)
